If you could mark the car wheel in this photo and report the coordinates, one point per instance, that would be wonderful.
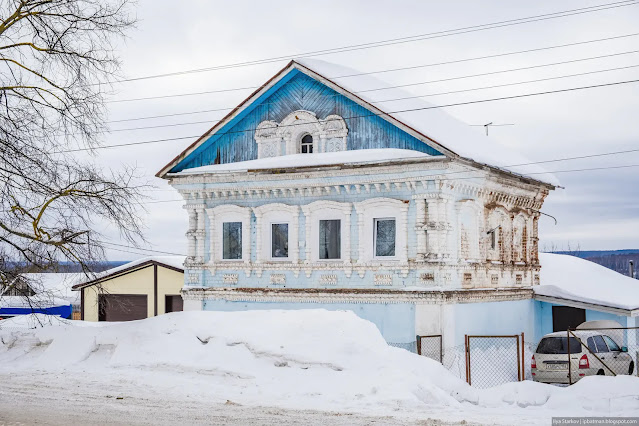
(631, 368)
(601, 373)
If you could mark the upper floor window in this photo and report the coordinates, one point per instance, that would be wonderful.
(279, 240)
(330, 239)
(306, 144)
(384, 237)
(232, 240)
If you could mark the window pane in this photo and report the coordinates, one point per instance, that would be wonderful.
(591, 345)
(306, 145)
(558, 345)
(614, 347)
(279, 240)
(232, 240)
(330, 239)
(385, 237)
(601, 345)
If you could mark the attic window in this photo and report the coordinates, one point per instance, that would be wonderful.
(306, 145)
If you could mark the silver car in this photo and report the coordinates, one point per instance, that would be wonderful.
(602, 356)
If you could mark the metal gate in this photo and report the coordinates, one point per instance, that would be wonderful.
(493, 360)
(431, 347)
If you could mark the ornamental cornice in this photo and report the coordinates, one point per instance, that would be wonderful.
(364, 295)
(193, 206)
(375, 265)
(364, 184)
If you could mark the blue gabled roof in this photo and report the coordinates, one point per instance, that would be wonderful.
(231, 140)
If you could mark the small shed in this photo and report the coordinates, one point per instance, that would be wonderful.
(140, 289)
(575, 290)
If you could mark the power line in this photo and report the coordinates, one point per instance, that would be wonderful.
(371, 114)
(139, 248)
(126, 144)
(208, 92)
(401, 40)
(398, 69)
(134, 252)
(501, 71)
(398, 99)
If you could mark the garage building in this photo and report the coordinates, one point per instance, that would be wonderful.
(140, 289)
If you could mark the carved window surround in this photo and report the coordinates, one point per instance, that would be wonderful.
(469, 226)
(228, 213)
(274, 139)
(374, 208)
(327, 210)
(268, 214)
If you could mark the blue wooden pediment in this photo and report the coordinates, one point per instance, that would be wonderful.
(233, 139)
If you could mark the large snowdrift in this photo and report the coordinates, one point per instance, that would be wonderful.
(306, 359)
(569, 277)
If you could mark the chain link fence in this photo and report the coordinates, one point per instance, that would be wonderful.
(559, 358)
(483, 361)
(493, 360)
(431, 347)
(410, 346)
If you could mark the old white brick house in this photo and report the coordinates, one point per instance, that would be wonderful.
(310, 194)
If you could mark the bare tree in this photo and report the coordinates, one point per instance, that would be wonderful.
(57, 64)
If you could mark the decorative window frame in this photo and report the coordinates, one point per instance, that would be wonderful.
(520, 251)
(265, 216)
(498, 218)
(295, 126)
(475, 236)
(284, 138)
(334, 133)
(269, 142)
(382, 258)
(228, 213)
(327, 210)
(379, 208)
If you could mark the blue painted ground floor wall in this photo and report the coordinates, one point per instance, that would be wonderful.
(543, 318)
(396, 321)
(493, 318)
(399, 323)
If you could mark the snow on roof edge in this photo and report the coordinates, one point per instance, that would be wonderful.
(172, 261)
(572, 278)
(351, 157)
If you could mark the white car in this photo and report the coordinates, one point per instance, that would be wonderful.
(602, 356)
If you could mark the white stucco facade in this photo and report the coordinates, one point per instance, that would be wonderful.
(416, 241)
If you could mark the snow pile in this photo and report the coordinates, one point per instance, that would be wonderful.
(358, 157)
(569, 277)
(305, 359)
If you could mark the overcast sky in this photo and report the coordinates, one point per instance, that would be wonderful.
(596, 210)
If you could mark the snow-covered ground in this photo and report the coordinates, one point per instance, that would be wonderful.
(289, 360)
